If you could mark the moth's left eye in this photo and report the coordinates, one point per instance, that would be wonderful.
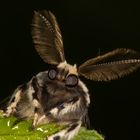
(71, 80)
(52, 74)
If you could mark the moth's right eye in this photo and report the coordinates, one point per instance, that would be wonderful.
(52, 74)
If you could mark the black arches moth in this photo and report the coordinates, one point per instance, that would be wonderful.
(58, 95)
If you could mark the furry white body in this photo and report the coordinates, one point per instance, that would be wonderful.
(45, 100)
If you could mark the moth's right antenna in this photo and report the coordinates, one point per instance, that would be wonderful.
(47, 37)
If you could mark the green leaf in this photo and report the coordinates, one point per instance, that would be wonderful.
(9, 130)
(85, 134)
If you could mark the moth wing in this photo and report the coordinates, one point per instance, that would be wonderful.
(111, 65)
(47, 37)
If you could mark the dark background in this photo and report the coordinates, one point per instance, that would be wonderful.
(87, 27)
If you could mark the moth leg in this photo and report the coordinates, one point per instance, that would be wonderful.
(68, 133)
(36, 112)
(11, 109)
(36, 103)
(43, 120)
(35, 119)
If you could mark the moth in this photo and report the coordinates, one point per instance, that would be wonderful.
(57, 94)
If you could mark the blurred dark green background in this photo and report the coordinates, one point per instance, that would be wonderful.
(87, 27)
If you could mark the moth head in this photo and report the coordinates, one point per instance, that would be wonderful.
(64, 73)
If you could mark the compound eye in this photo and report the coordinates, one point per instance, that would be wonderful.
(71, 80)
(52, 74)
